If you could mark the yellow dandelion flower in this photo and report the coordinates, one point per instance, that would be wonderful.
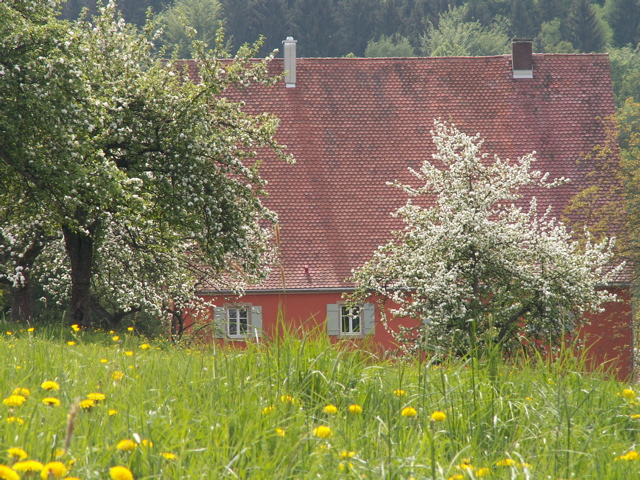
(506, 462)
(280, 432)
(287, 399)
(344, 466)
(457, 476)
(465, 466)
(344, 454)
(129, 353)
(268, 410)
(146, 443)
(332, 409)
(409, 412)
(75, 327)
(629, 456)
(50, 385)
(145, 346)
(112, 412)
(438, 416)
(104, 360)
(60, 452)
(117, 375)
(115, 338)
(483, 472)
(322, 432)
(399, 392)
(28, 466)
(7, 473)
(71, 343)
(53, 470)
(87, 404)
(120, 473)
(96, 397)
(14, 400)
(130, 329)
(71, 478)
(17, 420)
(524, 465)
(51, 401)
(25, 392)
(628, 394)
(126, 445)
(635, 416)
(169, 456)
(9, 333)
(355, 409)
(17, 453)
(31, 329)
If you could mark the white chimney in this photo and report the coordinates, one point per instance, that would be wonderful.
(290, 62)
(522, 57)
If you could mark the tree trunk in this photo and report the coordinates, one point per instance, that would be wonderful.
(79, 247)
(21, 303)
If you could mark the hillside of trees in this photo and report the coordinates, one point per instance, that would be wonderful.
(375, 28)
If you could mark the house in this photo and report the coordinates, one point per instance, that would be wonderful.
(354, 124)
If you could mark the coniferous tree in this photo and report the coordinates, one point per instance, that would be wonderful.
(624, 19)
(356, 20)
(547, 10)
(522, 17)
(237, 22)
(272, 19)
(314, 27)
(583, 27)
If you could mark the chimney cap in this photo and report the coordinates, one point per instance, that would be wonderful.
(522, 57)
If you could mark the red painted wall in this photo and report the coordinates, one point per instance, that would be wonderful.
(608, 335)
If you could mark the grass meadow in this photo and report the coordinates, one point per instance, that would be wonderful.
(298, 409)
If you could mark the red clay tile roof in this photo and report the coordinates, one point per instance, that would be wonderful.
(354, 124)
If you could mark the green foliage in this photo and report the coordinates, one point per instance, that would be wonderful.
(475, 268)
(584, 29)
(529, 419)
(392, 46)
(455, 37)
(142, 174)
(625, 74)
(550, 39)
(189, 20)
(623, 17)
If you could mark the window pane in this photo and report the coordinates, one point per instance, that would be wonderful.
(243, 320)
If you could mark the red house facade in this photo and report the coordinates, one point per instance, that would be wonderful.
(354, 124)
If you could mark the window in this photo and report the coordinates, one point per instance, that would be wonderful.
(237, 321)
(349, 320)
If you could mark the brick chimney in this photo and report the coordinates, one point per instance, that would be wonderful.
(522, 57)
(290, 62)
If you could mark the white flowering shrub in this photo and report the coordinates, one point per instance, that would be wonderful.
(142, 174)
(481, 266)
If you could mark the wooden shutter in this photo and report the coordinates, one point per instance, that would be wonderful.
(333, 319)
(256, 320)
(219, 326)
(369, 317)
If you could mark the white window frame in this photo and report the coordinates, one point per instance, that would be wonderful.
(349, 313)
(222, 324)
(335, 320)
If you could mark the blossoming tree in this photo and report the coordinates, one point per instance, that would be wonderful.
(139, 174)
(475, 268)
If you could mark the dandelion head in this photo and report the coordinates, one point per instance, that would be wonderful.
(344, 454)
(168, 456)
(399, 393)
(409, 412)
(280, 432)
(50, 385)
(322, 431)
(629, 456)
(7, 473)
(483, 472)
(130, 329)
(145, 346)
(53, 470)
(51, 401)
(75, 327)
(146, 443)
(355, 409)
(117, 375)
(345, 466)
(505, 462)
(126, 445)
(71, 343)
(115, 338)
(331, 409)
(14, 400)
(438, 416)
(104, 360)
(17, 420)
(31, 329)
(628, 394)
(129, 353)
(120, 473)
(96, 397)
(112, 412)
(17, 453)
(28, 466)
(25, 392)
(287, 399)
(87, 404)
(268, 410)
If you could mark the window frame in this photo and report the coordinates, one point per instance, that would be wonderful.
(334, 320)
(221, 321)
